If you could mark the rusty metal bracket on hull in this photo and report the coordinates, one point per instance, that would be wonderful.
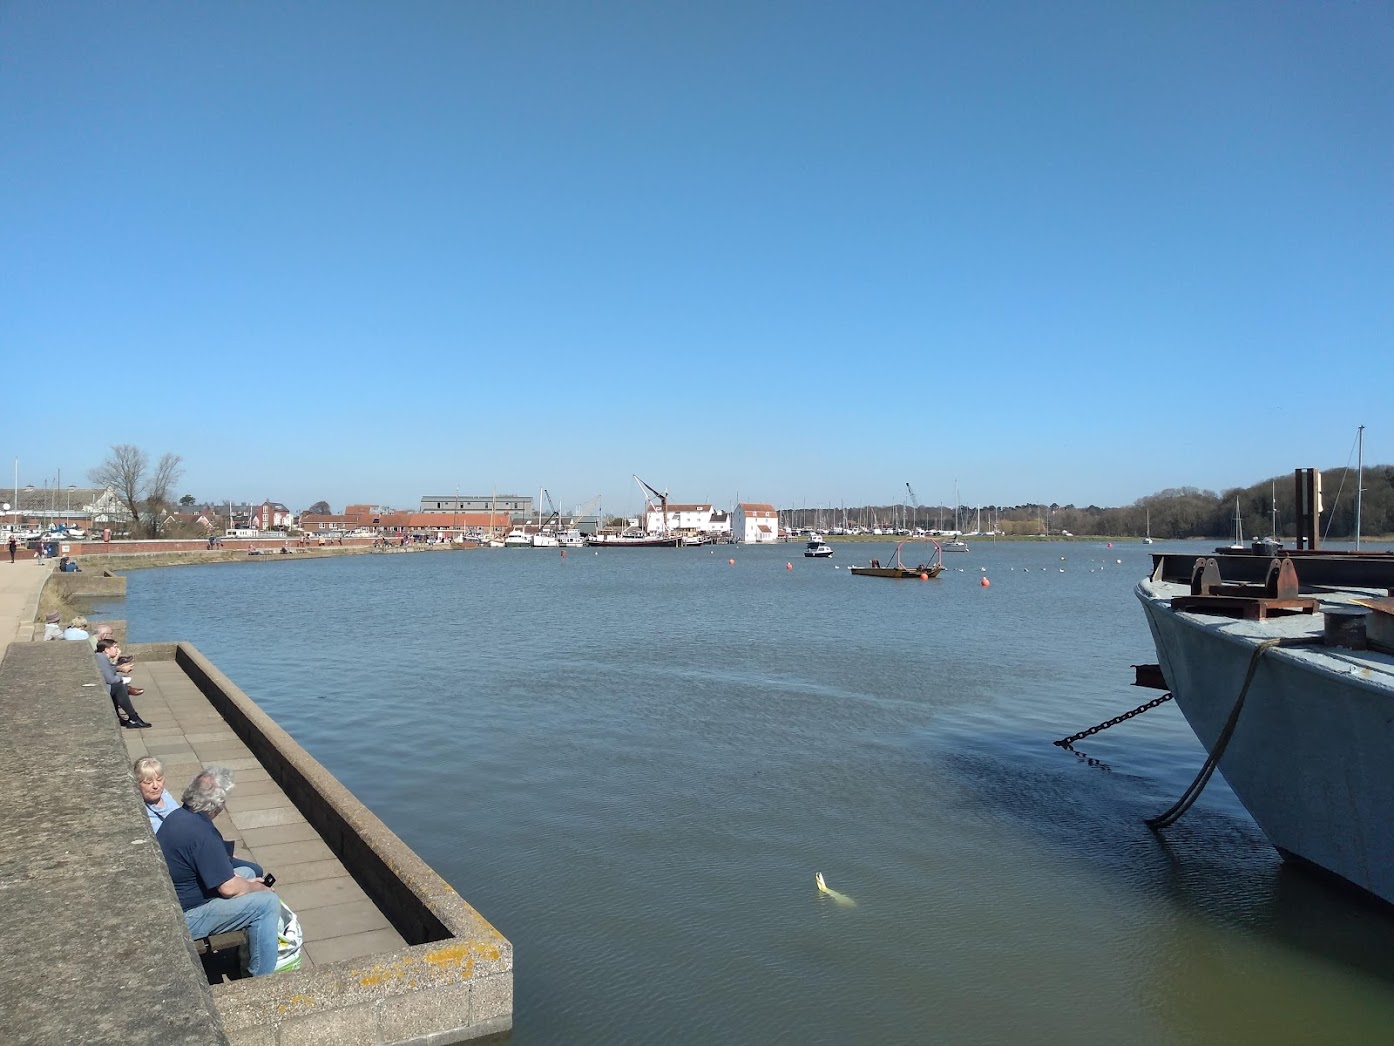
(1212, 594)
(1314, 569)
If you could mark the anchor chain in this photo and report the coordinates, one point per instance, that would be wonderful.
(1068, 742)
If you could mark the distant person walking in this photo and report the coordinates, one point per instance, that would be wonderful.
(12, 546)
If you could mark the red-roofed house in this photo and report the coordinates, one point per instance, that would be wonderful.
(755, 523)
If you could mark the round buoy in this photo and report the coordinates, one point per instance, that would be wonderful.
(1110, 544)
(788, 566)
(732, 562)
(1119, 562)
(985, 583)
(984, 570)
(563, 553)
(924, 577)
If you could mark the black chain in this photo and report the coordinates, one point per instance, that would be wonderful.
(1067, 742)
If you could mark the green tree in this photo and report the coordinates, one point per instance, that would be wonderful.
(187, 500)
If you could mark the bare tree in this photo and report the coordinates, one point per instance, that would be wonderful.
(127, 472)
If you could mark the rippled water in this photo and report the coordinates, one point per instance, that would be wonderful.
(633, 763)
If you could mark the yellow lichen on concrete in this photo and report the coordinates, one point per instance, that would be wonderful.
(380, 973)
(296, 1002)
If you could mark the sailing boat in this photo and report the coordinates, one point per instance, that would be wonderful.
(494, 540)
(1148, 539)
(1238, 527)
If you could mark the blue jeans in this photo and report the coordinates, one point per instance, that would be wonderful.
(259, 913)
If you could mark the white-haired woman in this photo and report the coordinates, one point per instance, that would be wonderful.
(150, 779)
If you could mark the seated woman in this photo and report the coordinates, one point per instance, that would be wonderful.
(150, 779)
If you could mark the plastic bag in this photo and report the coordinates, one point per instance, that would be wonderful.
(289, 938)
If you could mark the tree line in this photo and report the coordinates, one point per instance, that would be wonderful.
(1174, 513)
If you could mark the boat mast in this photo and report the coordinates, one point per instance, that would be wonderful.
(1359, 479)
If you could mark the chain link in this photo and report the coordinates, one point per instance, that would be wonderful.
(1067, 742)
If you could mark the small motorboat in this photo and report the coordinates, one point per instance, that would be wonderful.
(816, 548)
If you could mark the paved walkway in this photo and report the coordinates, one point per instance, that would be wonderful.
(20, 584)
(339, 920)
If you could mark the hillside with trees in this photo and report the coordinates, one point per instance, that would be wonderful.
(1178, 512)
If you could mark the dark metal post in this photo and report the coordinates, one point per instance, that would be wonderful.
(1308, 490)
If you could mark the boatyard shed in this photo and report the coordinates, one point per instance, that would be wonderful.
(755, 523)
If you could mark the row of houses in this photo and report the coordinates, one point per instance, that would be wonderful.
(748, 522)
(44, 508)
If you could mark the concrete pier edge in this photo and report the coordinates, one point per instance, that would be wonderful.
(86, 891)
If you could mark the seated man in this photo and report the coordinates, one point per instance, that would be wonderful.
(116, 685)
(159, 804)
(214, 897)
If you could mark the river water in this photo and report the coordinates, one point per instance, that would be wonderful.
(633, 763)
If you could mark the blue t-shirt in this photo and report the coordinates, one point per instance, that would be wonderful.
(157, 812)
(197, 859)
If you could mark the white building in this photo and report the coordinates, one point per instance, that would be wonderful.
(755, 523)
(689, 519)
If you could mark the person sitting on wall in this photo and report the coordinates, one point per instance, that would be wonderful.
(124, 662)
(215, 899)
(77, 629)
(116, 686)
(150, 780)
(52, 629)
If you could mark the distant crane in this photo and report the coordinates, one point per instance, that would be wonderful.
(662, 505)
(556, 514)
(581, 511)
(915, 505)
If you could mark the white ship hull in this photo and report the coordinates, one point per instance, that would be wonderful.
(1312, 755)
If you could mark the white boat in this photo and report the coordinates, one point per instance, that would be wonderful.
(816, 548)
(1147, 539)
(571, 538)
(545, 539)
(954, 546)
(1238, 545)
(517, 538)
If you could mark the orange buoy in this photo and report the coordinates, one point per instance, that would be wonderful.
(788, 566)
(985, 583)
(732, 562)
(924, 577)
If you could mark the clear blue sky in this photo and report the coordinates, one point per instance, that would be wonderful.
(803, 252)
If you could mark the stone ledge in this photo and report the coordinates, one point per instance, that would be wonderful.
(454, 982)
(93, 947)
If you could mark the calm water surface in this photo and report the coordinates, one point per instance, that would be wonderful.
(633, 763)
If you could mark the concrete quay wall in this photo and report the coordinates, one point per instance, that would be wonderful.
(453, 982)
(93, 947)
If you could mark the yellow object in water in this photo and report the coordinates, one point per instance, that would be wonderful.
(824, 888)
